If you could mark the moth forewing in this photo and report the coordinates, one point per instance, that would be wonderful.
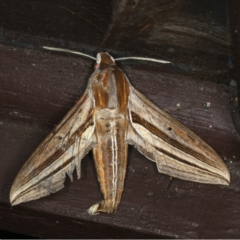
(59, 153)
(176, 150)
(110, 115)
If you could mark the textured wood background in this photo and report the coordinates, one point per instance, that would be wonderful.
(37, 88)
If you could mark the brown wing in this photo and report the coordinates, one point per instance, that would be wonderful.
(176, 150)
(61, 151)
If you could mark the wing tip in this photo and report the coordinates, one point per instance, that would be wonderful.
(13, 200)
(13, 203)
(225, 176)
(12, 196)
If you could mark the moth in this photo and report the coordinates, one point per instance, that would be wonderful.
(110, 115)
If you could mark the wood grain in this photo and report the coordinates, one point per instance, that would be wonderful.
(188, 209)
(37, 89)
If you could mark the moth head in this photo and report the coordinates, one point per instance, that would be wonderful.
(104, 60)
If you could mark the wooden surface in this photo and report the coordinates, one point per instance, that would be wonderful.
(37, 88)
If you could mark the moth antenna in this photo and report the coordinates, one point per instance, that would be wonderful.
(69, 51)
(143, 58)
(117, 59)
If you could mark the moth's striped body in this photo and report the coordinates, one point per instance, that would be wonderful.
(110, 91)
(110, 115)
(110, 155)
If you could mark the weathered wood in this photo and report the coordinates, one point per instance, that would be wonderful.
(37, 89)
(150, 203)
(234, 21)
(192, 34)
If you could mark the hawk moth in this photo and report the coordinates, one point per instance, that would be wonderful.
(110, 115)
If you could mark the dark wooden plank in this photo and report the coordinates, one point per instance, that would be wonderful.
(235, 73)
(38, 88)
(192, 34)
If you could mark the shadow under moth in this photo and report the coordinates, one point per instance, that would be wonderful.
(109, 115)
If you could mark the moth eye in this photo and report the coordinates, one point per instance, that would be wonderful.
(96, 66)
(169, 128)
